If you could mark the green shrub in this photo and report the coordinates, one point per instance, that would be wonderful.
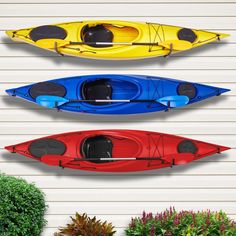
(184, 223)
(82, 225)
(22, 208)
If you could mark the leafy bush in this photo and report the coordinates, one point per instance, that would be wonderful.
(22, 208)
(82, 225)
(184, 223)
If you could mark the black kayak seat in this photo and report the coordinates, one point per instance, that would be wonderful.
(187, 35)
(98, 33)
(47, 88)
(41, 147)
(97, 147)
(47, 32)
(95, 90)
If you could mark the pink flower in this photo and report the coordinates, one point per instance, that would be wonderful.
(132, 224)
(152, 230)
(176, 221)
(168, 233)
(222, 228)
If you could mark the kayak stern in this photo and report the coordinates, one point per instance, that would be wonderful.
(10, 148)
(221, 36)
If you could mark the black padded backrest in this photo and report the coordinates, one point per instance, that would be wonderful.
(47, 32)
(97, 147)
(187, 35)
(41, 147)
(187, 89)
(187, 146)
(47, 88)
(97, 33)
(98, 89)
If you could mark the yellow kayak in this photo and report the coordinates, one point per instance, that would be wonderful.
(114, 39)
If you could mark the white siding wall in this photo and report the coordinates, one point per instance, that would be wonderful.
(210, 183)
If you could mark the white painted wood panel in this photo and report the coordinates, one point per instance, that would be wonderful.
(184, 115)
(209, 76)
(175, 127)
(116, 9)
(208, 183)
(114, 1)
(70, 63)
(136, 181)
(210, 23)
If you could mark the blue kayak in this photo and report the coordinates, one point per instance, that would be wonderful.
(115, 94)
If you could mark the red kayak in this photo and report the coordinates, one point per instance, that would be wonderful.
(115, 150)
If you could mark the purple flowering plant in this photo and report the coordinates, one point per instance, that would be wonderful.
(183, 223)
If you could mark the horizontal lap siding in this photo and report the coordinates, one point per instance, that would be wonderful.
(208, 183)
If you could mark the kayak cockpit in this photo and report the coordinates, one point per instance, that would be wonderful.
(108, 33)
(97, 147)
(107, 89)
(100, 147)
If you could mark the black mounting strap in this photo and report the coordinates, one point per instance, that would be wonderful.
(170, 52)
(56, 48)
(60, 164)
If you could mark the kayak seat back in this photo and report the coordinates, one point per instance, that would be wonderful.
(97, 33)
(45, 146)
(95, 90)
(47, 88)
(47, 32)
(97, 147)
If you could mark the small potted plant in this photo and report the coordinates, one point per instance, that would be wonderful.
(82, 225)
(22, 208)
(184, 223)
